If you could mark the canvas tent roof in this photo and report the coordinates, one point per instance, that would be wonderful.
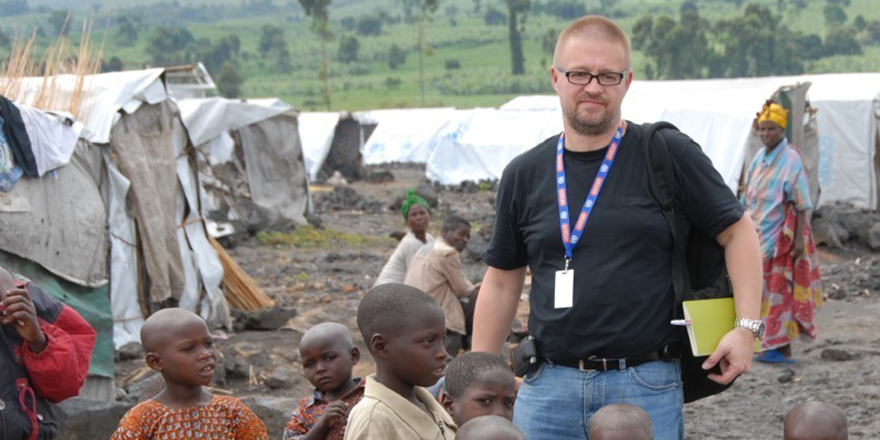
(718, 115)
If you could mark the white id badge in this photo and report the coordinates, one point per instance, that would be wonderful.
(564, 290)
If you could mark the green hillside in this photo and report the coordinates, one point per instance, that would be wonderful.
(467, 63)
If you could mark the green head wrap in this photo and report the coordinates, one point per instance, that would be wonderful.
(412, 199)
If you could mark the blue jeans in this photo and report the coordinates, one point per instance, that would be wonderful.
(557, 402)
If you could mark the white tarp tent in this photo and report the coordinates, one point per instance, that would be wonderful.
(402, 135)
(718, 115)
(477, 144)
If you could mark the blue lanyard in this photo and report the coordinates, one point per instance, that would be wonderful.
(570, 238)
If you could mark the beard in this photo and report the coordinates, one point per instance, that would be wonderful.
(592, 125)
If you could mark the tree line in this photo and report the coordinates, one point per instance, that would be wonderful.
(757, 43)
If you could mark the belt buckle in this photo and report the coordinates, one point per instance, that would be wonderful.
(592, 358)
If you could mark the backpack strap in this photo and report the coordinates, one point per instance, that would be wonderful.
(661, 178)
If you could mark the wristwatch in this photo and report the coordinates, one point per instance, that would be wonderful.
(756, 326)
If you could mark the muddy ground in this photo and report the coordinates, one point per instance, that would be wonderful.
(324, 273)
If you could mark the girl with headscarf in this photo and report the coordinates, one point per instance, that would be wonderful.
(415, 214)
(777, 197)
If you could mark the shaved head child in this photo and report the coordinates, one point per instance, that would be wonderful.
(479, 384)
(815, 421)
(489, 428)
(328, 355)
(404, 328)
(620, 422)
(179, 347)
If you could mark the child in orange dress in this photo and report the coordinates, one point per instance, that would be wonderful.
(179, 346)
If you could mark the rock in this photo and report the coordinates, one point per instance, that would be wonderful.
(857, 222)
(786, 376)
(84, 419)
(345, 199)
(874, 237)
(380, 176)
(837, 355)
(130, 351)
(273, 411)
(827, 229)
(282, 377)
(337, 180)
(268, 319)
(237, 367)
(145, 386)
(837, 294)
(428, 193)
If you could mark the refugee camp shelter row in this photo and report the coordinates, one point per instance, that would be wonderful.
(718, 114)
(131, 186)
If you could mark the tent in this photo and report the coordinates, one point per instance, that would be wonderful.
(316, 130)
(250, 160)
(132, 184)
(333, 142)
(477, 144)
(718, 114)
(345, 154)
(403, 135)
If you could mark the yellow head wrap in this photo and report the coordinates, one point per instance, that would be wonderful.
(775, 113)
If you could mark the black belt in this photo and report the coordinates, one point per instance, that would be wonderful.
(594, 363)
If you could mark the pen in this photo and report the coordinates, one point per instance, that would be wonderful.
(680, 322)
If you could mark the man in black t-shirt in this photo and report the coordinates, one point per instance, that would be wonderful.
(601, 297)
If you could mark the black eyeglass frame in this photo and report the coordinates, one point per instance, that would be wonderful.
(597, 77)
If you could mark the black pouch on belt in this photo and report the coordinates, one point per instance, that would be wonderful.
(525, 357)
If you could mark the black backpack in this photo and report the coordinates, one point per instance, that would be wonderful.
(698, 271)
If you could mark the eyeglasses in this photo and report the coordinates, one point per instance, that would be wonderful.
(585, 78)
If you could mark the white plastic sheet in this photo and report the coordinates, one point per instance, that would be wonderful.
(316, 132)
(105, 95)
(403, 135)
(207, 118)
(478, 144)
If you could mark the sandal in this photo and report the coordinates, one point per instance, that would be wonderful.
(773, 357)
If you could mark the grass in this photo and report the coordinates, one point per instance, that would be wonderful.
(308, 237)
(482, 51)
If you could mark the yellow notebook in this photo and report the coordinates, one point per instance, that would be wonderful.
(710, 320)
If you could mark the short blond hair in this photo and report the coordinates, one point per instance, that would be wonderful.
(594, 27)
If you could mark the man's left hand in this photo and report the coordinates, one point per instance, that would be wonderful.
(733, 354)
(20, 313)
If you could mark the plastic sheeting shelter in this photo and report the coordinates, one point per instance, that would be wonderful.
(130, 117)
(250, 160)
(718, 114)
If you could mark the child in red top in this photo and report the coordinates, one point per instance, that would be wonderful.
(179, 347)
(328, 355)
(45, 351)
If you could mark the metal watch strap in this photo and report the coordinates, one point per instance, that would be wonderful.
(756, 326)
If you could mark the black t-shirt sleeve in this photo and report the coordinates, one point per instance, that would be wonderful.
(506, 249)
(707, 201)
